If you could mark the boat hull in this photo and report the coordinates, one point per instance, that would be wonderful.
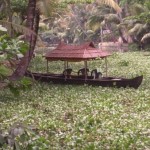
(80, 80)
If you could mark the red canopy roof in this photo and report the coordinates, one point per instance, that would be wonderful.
(84, 51)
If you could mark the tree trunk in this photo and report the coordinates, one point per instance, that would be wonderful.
(23, 65)
(35, 29)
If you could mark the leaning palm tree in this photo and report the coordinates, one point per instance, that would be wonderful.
(33, 18)
(35, 7)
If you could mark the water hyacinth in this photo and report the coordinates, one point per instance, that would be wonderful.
(83, 117)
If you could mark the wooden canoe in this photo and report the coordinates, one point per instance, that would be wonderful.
(80, 80)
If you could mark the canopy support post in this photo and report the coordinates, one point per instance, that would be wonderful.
(64, 73)
(64, 65)
(106, 66)
(67, 64)
(85, 64)
(47, 66)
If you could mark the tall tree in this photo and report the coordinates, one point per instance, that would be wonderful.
(33, 18)
(31, 13)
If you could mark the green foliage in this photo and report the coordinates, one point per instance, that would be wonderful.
(9, 49)
(20, 85)
(123, 2)
(138, 23)
(19, 6)
(77, 1)
(19, 137)
(11, 6)
(12, 47)
(124, 63)
(18, 46)
(4, 72)
(133, 47)
(142, 17)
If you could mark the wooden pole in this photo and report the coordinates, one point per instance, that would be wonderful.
(106, 66)
(64, 65)
(85, 64)
(67, 64)
(64, 73)
(47, 66)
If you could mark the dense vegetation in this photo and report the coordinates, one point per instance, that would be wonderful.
(81, 117)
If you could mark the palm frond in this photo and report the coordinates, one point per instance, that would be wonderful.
(96, 27)
(137, 9)
(17, 28)
(136, 29)
(103, 10)
(95, 21)
(145, 37)
(129, 23)
(47, 7)
(146, 27)
(147, 4)
(112, 18)
(110, 3)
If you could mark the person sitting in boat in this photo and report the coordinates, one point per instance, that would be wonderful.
(67, 72)
(95, 74)
(83, 71)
